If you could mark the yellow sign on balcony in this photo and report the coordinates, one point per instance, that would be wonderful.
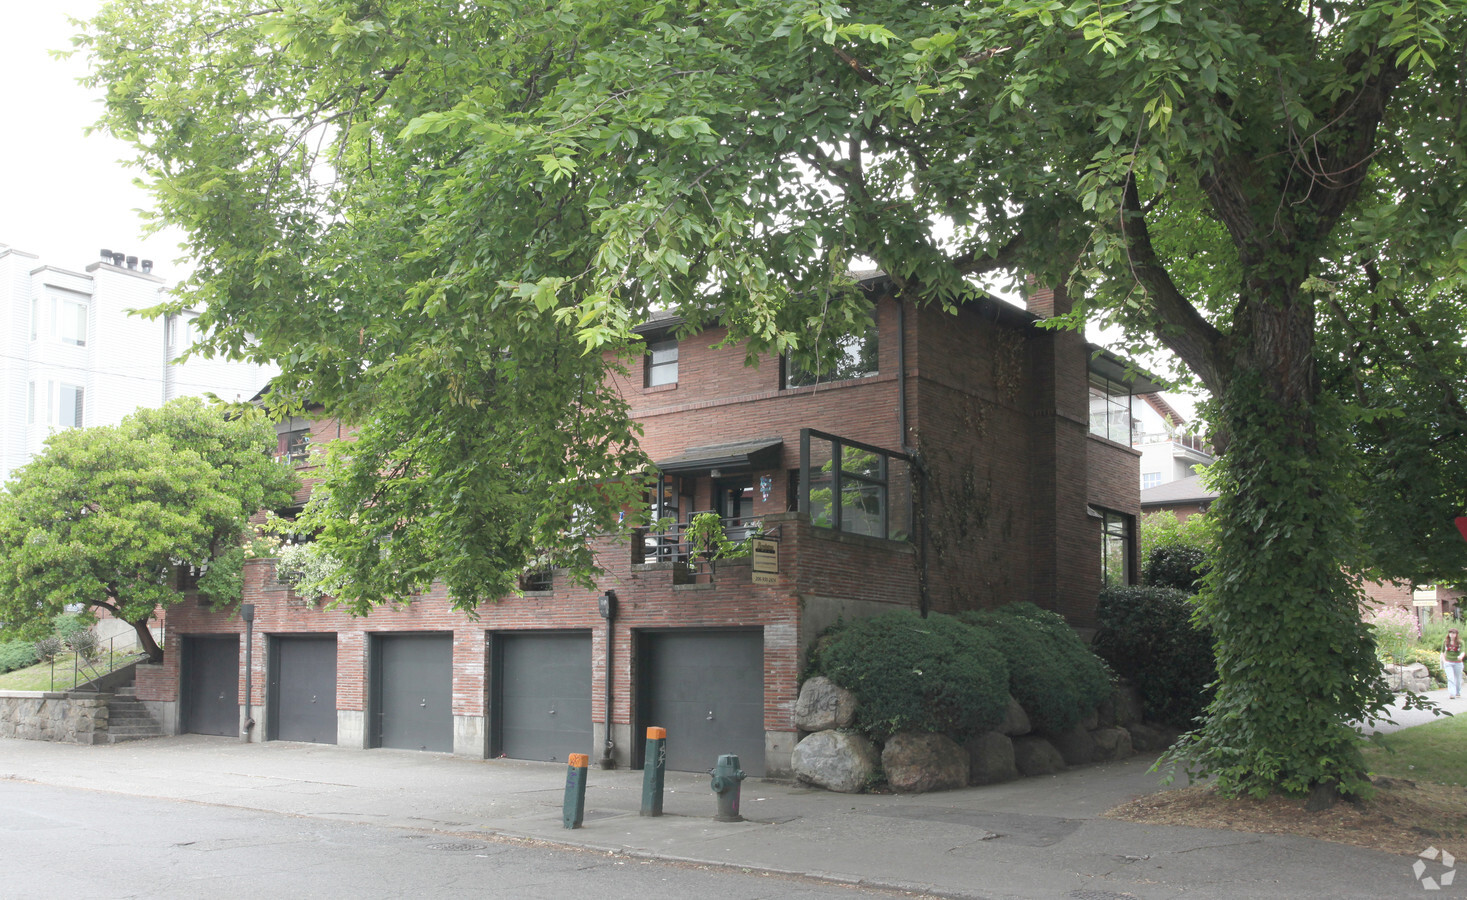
(765, 555)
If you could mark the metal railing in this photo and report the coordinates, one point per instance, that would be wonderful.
(676, 545)
(100, 665)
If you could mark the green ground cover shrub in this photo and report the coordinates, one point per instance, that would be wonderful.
(1148, 636)
(914, 674)
(1431, 657)
(1053, 675)
(17, 655)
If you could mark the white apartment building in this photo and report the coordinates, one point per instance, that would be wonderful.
(73, 355)
(1169, 452)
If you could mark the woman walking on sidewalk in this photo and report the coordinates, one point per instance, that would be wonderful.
(1452, 656)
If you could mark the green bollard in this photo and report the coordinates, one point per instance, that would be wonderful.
(653, 771)
(575, 790)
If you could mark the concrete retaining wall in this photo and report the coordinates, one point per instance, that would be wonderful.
(45, 716)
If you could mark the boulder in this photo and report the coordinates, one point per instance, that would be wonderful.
(1033, 755)
(1091, 720)
(1416, 678)
(917, 762)
(1075, 745)
(837, 761)
(1150, 738)
(823, 706)
(1111, 744)
(1105, 713)
(1128, 709)
(990, 758)
(1015, 720)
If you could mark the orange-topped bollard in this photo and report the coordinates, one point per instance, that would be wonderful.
(654, 769)
(574, 810)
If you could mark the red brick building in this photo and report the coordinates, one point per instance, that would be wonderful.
(952, 461)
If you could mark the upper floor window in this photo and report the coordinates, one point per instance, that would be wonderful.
(660, 366)
(1150, 480)
(64, 404)
(35, 318)
(69, 320)
(855, 356)
(296, 444)
(71, 402)
(852, 487)
(1110, 409)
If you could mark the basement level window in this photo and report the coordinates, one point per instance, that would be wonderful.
(537, 580)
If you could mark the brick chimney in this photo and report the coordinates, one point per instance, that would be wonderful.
(1045, 302)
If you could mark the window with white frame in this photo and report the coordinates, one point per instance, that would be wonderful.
(62, 405)
(69, 320)
(1150, 480)
(661, 364)
(70, 404)
(35, 318)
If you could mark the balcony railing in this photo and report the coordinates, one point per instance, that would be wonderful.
(1188, 441)
(675, 544)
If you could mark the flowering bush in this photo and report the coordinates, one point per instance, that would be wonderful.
(1396, 631)
(311, 572)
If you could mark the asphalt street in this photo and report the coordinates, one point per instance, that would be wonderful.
(70, 842)
(198, 814)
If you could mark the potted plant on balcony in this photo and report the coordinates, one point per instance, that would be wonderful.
(708, 541)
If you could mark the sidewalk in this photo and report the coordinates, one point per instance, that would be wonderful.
(1032, 838)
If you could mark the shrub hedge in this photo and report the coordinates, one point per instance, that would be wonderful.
(1052, 674)
(16, 655)
(1148, 637)
(1179, 566)
(914, 674)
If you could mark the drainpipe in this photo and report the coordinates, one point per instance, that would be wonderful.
(916, 470)
(247, 612)
(608, 612)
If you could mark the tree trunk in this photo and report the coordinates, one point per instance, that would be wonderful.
(145, 640)
(1296, 665)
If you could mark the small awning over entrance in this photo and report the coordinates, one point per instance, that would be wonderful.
(741, 457)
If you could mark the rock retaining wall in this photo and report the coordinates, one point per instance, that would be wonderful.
(839, 760)
(63, 717)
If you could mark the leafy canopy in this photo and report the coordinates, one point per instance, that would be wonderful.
(444, 221)
(104, 516)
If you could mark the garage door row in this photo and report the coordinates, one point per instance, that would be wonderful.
(705, 687)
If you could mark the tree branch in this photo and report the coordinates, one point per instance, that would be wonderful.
(970, 263)
(1180, 326)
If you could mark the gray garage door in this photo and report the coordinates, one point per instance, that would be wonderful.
(707, 689)
(542, 692)
(211, 685)
(412, 691)
(303, 689)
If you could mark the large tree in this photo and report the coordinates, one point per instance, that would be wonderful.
(445, 218)
(107, 517)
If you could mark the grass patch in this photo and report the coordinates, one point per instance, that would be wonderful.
(1435, 752)
(39, 676)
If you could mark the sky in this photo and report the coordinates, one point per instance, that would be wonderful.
(65, 196)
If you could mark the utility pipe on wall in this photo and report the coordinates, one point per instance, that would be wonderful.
(608, 612)
(247, 612)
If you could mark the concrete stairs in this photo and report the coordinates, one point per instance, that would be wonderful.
(128, 719)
